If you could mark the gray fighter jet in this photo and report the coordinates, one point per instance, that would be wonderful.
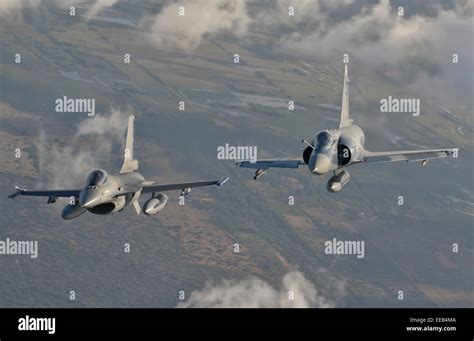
(333, 150)
(105, 193)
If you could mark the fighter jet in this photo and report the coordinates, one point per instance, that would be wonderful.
(333, 150)
(106, 193)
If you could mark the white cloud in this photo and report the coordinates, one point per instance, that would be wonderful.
(414, 50)
(13, 9)
(256, 293)
(113, 125)
(202, 18)
(66, 166)
(98, 6)
(368, 33)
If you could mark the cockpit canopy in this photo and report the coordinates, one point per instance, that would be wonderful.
(324, 140)
(96, 178)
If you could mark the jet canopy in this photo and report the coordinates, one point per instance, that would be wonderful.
(324, 140)
(96, 178)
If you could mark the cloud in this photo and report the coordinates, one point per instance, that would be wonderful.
(91, 146)
(413, 49)
(13, 9)
(113, 125)
(373, 33)
(201, 19)
(433, 7)
(98, 6)
(256, 293)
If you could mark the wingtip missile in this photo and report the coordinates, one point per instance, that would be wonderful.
(222, 181)
(18, 191)
(259, 173)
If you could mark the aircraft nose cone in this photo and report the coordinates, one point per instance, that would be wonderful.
(321, 165)
(88, 199)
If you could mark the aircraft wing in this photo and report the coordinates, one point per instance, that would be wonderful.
(153, 186)
(271, 163)
(61, 193)
(407, 155)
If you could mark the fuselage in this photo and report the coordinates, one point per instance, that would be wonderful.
(336, 148)
(105, 194)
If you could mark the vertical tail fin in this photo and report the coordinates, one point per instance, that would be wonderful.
(345, 118)
(129, 163)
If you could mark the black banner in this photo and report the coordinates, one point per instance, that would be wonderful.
(412, 323)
